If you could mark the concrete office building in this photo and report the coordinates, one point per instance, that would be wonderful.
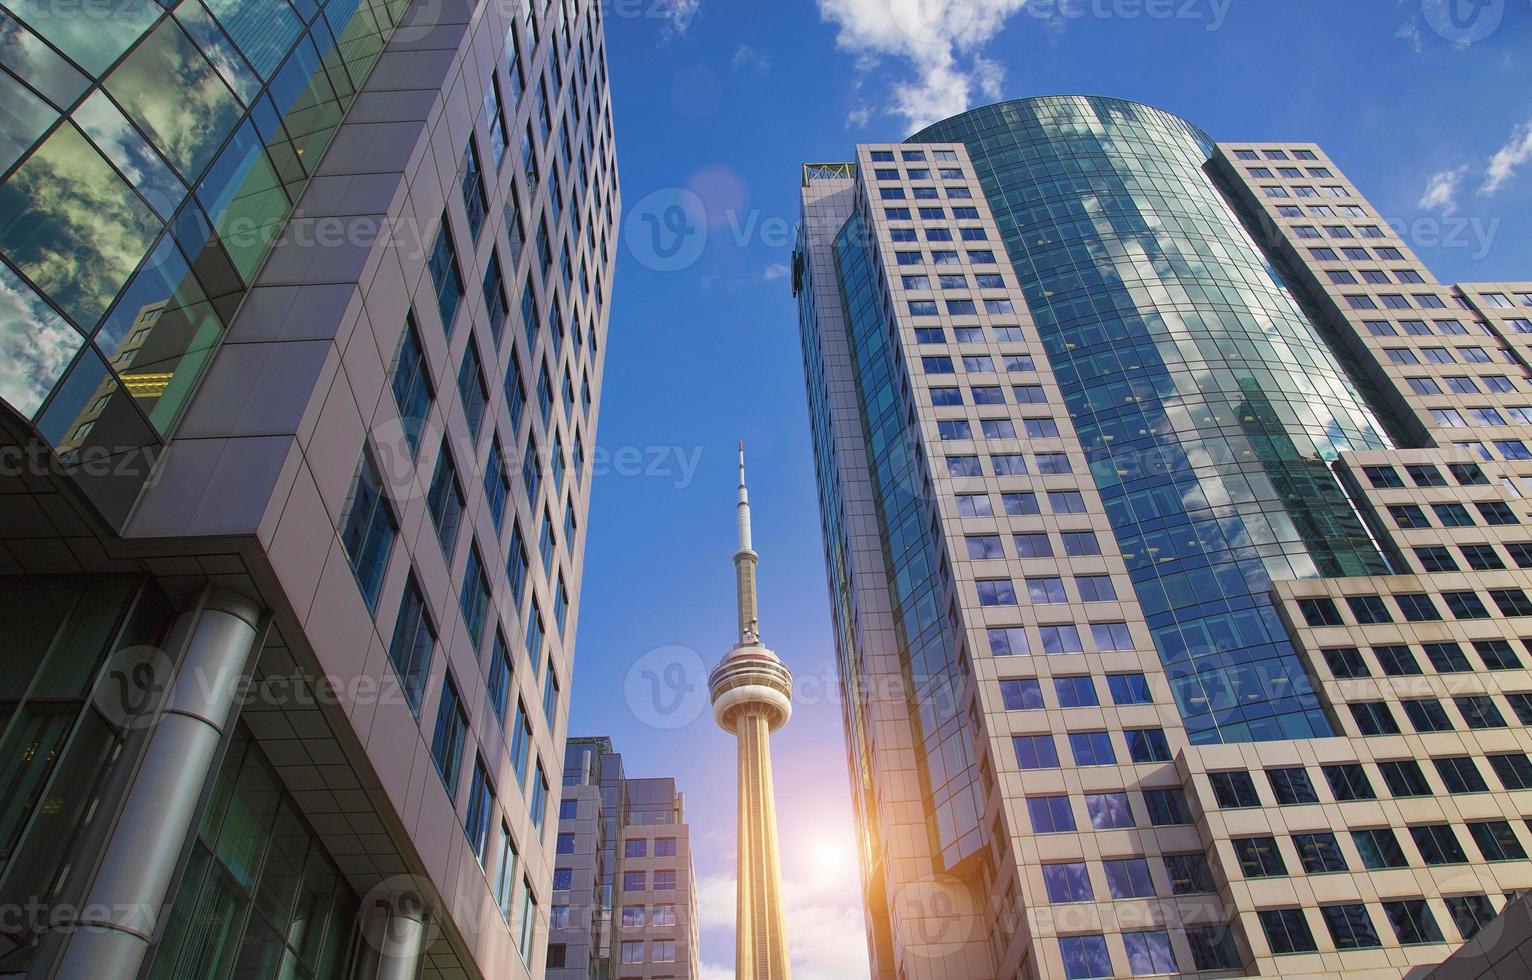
(304, 307)
(625, 889)
(1176, 525)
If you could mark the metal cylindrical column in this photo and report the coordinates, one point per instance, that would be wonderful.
(393, 939)
(111, 935)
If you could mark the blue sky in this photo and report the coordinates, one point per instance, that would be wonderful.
(724, 99)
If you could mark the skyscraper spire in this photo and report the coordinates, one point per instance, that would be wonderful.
(744, 566)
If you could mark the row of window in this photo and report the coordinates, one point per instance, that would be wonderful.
(1009, 464)
(1074, 691)
(1416, 607)
(1328, 211)
(1021, 504)
(1063, 638)
(959, 307)
(1479, 712)
(970, 334)
(1235, 789)
(1442, 355)
(1275, 155)
(953, 192)
(914, 156)
(1380, 277)
(977, 363)
(1055, 814)
(638, 847)
(1041, 590)
(1480, 557)
(1092, 748)
(1395, 301)
(1290, 173)
(945, 257)
(1351, 927)
(1003, 428)
(917, 173)
(660, 951)
(961, 212)
(1356, 253)
(1425, 475)
(1378, 848)
(967, 233)
(956, 280)
(1278, 192)
(1501, 301)
(1149, 952)
(1399, 660)
(990, 394)
(1423, 328)
(663, 880)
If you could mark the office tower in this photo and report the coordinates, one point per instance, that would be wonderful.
(625, 890)
(1175, 523)
(752, 695)
(300, 355)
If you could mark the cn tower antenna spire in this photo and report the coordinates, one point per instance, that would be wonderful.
(744, 565)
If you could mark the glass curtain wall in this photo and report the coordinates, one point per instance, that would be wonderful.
(150, 154)
(1208, 400)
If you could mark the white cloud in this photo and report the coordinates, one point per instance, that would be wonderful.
(1502, 166)
(1409, 31)
(935, 36)
(677, 14)
(827, 940)
(777, 270)
(748, 58)
(859, 117)
(1441, 192)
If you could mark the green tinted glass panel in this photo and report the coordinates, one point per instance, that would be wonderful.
(120, 143)
(211, 38)
(23, 119)
(93, 35)
(37, 64)
(244, 200)
(263, 29)
(176, 96)
(71, 224)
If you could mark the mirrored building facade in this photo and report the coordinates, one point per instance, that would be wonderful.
(1174, 520)
(303, 311)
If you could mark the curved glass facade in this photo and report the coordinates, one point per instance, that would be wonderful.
(149, 156)
(1207, 398)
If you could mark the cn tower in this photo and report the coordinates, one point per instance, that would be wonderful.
(752, 697)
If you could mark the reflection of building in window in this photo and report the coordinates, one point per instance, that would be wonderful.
(141, 386)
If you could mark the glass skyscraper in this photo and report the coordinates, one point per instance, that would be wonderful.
(303, 309)
(1171, 511)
